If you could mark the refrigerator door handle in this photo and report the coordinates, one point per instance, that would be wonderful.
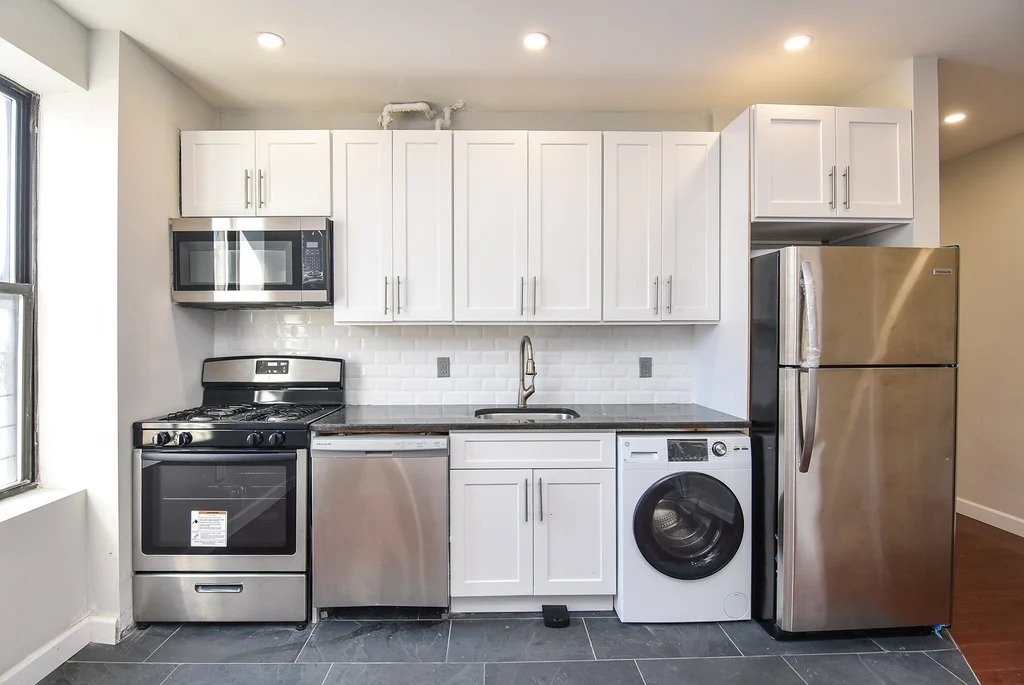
(810, 300)
(808, 426)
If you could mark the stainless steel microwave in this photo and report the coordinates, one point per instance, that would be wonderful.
(251, 262)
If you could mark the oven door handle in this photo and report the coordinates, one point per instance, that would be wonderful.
(213, 458)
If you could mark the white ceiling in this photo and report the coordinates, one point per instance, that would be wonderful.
(608, 55)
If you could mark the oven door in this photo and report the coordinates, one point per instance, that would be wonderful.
(220, 511)
(250, 261)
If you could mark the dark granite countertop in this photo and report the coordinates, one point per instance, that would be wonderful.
(458, 417)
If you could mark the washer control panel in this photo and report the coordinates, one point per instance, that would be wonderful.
(688, 450)
(703, 450)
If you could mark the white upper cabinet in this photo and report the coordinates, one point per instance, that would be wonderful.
(293, 173)
(363, 282)
(794, 161)
(661, 214)
(422, 211)
(218, 170)
(690, 227)
(874, 163)
(255, 173)
(564, 226)
(574, 534)
(843, 163)
(490, 217)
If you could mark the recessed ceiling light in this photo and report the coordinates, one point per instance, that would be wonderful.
(797, 43)
(955, 118)
(270, 41)
(535, 41)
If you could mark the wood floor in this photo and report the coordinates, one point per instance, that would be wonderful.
(988, 601)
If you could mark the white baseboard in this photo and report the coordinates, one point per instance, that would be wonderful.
(39, 663)
(993, 517)
(477, 605)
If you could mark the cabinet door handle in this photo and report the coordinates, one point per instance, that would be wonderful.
(846, 179)
(535, 296)
(526, 498)
(259, 189)
(540, 497)
(522, 296)
(832, 186)
(656, 293)
(248, 180)
(385, 296)
(668, 295)
(398, 295)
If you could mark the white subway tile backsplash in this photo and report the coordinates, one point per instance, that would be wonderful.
(397, 364)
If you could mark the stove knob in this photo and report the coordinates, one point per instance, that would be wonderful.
(161, 438)
(719, 449)
(276, 439)
(182, 439)
(254, 439)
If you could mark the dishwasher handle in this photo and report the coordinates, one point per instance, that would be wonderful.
(378, 446)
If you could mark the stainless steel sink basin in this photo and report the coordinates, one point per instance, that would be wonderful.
(527, 415)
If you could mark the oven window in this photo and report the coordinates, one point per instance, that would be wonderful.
(218, 504)
(237, 260)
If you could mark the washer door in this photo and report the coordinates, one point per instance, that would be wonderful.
(688, 525)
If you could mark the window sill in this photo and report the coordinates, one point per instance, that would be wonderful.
(26, 502)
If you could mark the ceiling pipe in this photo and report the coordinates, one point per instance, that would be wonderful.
(444, 122)
(386, 119)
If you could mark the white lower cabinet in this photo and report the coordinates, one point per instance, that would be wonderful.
(523, 537)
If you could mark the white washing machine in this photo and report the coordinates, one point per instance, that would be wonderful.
(684, 522)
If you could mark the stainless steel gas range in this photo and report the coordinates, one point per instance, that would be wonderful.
(221, 493)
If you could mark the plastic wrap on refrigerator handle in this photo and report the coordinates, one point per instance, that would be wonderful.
(812, 359)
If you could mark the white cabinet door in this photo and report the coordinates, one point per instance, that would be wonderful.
(363, 285)
(794, 161)
(875, 163)
(491, 533)
(293, 173)
(490, 197)
(690, 227)
(632, 225)
(422, 210)
(564, 226)
(574, 532)
(218, 173)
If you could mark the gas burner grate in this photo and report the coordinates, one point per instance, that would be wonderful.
(276, 413)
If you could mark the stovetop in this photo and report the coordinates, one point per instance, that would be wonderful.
(243, 413)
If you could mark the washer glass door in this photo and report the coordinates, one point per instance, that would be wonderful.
(688, 525)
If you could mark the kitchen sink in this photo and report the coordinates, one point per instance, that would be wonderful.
(527, 414)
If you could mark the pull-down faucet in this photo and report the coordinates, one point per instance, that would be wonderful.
(526, 368)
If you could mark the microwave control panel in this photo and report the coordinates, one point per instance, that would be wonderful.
(314, 251)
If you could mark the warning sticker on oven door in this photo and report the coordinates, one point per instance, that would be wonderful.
(209, 529)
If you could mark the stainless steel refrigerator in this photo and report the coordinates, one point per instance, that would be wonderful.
(853, 406)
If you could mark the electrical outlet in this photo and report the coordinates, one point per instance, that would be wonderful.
(646, 365)
(444, 367)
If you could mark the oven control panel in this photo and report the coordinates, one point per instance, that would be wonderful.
(271, 366)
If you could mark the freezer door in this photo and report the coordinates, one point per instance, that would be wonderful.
(875, 305)
(866, 533)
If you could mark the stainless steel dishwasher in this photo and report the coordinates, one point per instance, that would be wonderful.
(380, 520)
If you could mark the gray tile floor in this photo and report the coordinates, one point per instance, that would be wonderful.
(596, 649)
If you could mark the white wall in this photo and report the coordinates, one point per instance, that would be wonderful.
(42, 43)
(981, 213)
(470, 119)
(398, 365)
(42, 583)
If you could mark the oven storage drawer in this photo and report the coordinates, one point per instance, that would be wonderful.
(216, 597)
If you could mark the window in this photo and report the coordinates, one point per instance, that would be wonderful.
(18, 111)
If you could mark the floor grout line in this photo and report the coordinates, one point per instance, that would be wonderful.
(943, 667)
(173, 633)
(729, 637)
(448, 646)
(166, 677)
(637, 664)
(329, 669)
(591, 640)
(312, 629)
(793, 668)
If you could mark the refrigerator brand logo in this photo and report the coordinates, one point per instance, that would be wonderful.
(942, 272)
